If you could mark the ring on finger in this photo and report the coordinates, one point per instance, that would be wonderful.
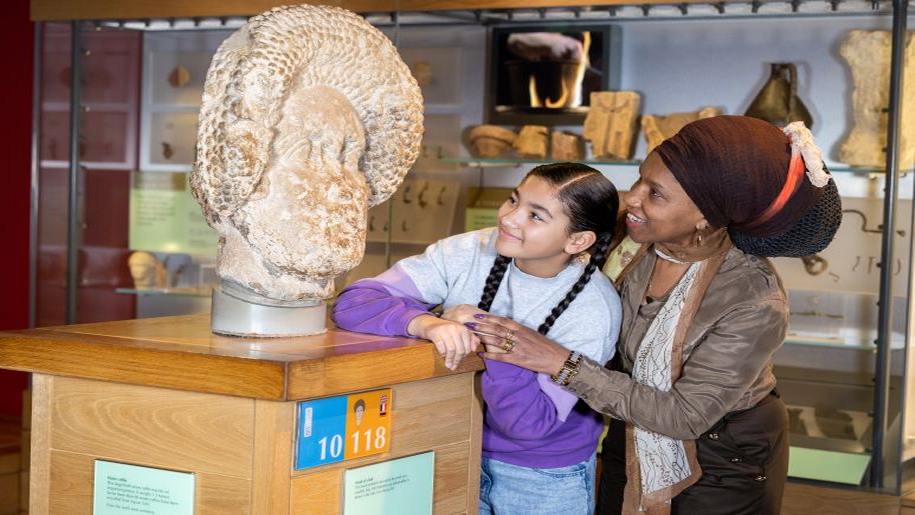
(507, 344)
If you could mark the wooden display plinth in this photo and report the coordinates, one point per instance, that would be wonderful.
(167, 393)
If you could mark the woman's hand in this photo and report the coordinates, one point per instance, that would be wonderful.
(452, 340)
(531, 350)
(462, 313)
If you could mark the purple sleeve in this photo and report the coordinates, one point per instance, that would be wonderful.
(522, 405)
(377, 307)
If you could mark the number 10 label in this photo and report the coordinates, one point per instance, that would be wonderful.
(337, 428)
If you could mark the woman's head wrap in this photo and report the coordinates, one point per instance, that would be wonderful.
(768, 186)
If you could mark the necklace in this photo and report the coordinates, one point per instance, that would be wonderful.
(670, 259)
(667, 257)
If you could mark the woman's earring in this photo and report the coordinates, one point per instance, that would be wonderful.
(699, 237)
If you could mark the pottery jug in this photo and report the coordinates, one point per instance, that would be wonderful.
(777, 102)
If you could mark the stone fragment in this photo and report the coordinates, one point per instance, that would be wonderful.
(658, 128)
(565, 146)
(532, 142)
(489, 141)
(611, 123)
(867, 54)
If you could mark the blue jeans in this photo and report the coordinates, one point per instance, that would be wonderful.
(507, 489)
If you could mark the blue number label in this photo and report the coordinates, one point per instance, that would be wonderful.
(321, 427)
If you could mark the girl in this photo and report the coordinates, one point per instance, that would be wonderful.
(538, 440)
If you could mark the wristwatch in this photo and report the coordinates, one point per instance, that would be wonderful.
(568, 370)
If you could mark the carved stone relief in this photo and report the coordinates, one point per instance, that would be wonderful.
(611, 123)
(867, 54)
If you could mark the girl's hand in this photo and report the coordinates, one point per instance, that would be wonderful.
(531, 350)
(462, 313)
(452, 340)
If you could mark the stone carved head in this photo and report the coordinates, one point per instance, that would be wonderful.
(309, 117)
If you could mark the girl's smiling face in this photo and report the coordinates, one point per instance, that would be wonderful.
(658, 209)
(534, 229)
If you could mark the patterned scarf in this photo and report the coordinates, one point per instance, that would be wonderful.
(659, 467)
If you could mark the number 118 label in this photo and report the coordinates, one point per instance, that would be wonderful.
(342, 428)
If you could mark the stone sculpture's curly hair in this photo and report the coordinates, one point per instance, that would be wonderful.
(254, 71)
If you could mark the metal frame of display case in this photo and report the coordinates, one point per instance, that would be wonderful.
(884, 318)
(503, 14)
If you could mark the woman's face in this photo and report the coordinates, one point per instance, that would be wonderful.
(658, 210)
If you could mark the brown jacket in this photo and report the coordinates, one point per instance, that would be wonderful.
(728, 350)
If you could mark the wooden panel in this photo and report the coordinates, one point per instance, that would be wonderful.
(450, 484)
(476, 445)
(133, 351)
(72, 483)
(46, 10)
(431, 413)
(801, 499)
(320, 493)
(363, 371)
(40, 471)
(274, 426)
(192, 333)
(165, 428)
(139, 362)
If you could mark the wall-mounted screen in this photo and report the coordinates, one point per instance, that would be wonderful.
(546, 74)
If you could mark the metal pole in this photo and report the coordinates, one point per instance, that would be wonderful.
(891, 194)
(35, 166)
(388, 240)
(73, 191)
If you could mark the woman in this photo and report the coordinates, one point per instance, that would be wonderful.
(698, 426)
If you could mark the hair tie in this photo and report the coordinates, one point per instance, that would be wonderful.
(802, 144)
(804, 152)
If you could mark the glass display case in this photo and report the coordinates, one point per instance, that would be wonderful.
(843, 370)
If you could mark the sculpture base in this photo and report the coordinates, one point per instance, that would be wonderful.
(235, 317)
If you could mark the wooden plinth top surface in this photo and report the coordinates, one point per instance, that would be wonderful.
(180, 352)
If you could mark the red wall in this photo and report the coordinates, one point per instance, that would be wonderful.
(15, 142)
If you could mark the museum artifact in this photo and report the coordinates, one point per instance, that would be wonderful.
(777, 102)
(179, 77)
(566, 146)
(422, 72)
(488, 141)
(658, 128)
(146, 271)
(309, 117)
(611, 123)
(532, 142)
(867, 53)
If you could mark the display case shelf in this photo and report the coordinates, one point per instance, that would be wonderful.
(836, 343)
(501, 162)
